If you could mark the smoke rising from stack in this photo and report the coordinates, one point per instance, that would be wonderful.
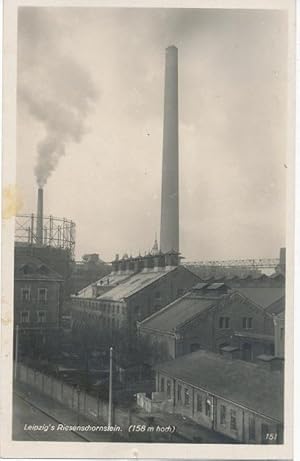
(57, 91)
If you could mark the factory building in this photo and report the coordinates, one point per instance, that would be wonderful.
(135, 289)
(238, 399)
(235, 322)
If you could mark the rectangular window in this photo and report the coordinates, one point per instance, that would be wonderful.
(233, 425)
(25, 295)
(41, 316)
(247, 323)
(42, 295)
(179, 389)
(24, 317)
(223, 415)
(281, 333)
(199, 403)
(251, 428)
(186, 397)
(168, 389)
(208, 408)
(224, 322)
(162, 384)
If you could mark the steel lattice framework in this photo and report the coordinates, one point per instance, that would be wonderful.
(57, 232)
(249, 263)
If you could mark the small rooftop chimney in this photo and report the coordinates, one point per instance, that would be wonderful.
(39, 219)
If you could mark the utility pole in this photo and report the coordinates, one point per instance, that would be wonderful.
(110, 387)
(16, 351)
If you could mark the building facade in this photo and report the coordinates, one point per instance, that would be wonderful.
(221, 395)
(135, 289)
(216, 318)
(38, 298)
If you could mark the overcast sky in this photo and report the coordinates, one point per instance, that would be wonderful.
(91, 90)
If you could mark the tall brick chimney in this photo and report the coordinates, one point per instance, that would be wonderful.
(39, 218)
(169, 227)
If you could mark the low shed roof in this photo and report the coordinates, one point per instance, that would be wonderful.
(244, 383)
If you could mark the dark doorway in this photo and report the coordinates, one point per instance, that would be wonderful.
(194, 347)
(247, 352)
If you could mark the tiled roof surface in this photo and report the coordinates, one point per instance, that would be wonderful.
(111, 280)
(177, 313)
(136, 283)
(245, 383)
(263, 297)
(29, 267)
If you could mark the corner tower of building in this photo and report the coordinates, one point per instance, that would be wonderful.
(169, 227)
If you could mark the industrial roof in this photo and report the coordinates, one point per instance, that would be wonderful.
(136, 283)
(244, 383)
(29, 267)
(109, 281)
(177, 313)
(262, 297)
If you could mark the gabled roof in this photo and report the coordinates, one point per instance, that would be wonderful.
(262, 297)
(247, 384)
(180, 311)
(29, 267)
(107, 282)
(136, 283)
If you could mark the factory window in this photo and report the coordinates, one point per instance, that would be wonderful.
(179, 389)
(247, 323)
(208, 408)
(25, 294)
(186, 397)
(41, 316)
(223, 415)
(251, 428)
(118, 309)
(199, 403)
(168, 388)
(224, 322)
(233, 425)
(162, 384)
(42, 295)
(24, 317)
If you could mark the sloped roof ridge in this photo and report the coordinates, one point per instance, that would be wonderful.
(29, 259)
(165, 308)
(261, 308)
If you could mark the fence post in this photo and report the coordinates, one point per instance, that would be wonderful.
(84, 403)
(98, 405)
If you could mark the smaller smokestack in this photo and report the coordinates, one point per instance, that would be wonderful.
(39, 219)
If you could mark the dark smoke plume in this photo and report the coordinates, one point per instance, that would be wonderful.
(57, 91)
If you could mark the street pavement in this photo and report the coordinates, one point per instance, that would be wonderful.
(33, 407)
(25, 414)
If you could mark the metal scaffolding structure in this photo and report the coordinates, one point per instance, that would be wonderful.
(57, 232)
(266, 263)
